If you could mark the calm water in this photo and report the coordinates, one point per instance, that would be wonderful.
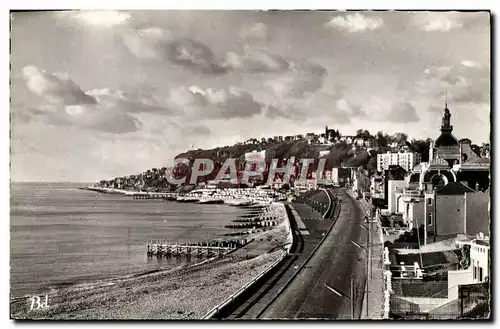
(62, 235)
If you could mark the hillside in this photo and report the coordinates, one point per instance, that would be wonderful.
(340, 154)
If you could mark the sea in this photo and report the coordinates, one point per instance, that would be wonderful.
(61, 235)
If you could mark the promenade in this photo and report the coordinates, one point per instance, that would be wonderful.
(336, 262)
(373, 303)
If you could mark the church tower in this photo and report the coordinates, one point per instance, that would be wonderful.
(446, 127)
(446, 146)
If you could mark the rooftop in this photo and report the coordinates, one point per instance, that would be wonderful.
(482, 242)
(454, 188)
(446, 139)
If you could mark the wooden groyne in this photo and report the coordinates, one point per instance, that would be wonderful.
(252, 224)
(200, 249)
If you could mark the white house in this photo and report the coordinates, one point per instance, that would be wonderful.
(479, 258)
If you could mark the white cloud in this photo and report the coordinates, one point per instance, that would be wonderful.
(355, 22)
(56, 88)
(65, 103)
(146, 43)
(301, 78)
(256, 30)
(472, 64)
(467, 82)
(103, 18)
(439, 21)
(255, 61)
(209, 103)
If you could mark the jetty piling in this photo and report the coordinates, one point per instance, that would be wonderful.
(186, 249)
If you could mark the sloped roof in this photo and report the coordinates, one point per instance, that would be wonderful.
(437, 161)
(453, 188)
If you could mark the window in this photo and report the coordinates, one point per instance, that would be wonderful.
(429, 202)
(481, 274)
(429, 218)
(474, 267)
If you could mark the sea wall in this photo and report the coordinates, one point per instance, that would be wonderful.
(228, 303)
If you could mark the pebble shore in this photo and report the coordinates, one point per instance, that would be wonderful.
(186, 293)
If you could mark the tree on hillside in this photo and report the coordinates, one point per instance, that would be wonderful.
(382, 139)
(371, 166)
(400, 137)
(421, 146)
(363, 133)
(360, 159)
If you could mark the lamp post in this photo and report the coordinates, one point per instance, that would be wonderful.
(350, 298)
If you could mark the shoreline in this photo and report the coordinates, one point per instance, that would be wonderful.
(258, 252)
(151, 295)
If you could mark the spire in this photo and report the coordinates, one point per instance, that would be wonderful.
(446, 127)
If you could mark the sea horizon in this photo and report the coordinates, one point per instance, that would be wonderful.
(62, 235)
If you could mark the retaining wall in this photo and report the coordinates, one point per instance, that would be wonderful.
(223, 307)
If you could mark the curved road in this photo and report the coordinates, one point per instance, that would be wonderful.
(334, 263)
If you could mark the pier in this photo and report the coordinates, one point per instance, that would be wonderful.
(205, 249)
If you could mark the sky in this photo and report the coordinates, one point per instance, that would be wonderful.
(102, 94)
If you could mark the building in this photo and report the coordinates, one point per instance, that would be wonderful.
(451, 161)
(479, 259)
(334, 174)
(359, 142)
(330, 135)
(393, 174)
(341, 176)
(323, 154)
(471, 171)
(407, 160)
(446, 145)
(369, 143)
(360, 182)
(377, 187)
(478, 270)
(395, 196)
(455, 209)
(324, 178)
(255, 156)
